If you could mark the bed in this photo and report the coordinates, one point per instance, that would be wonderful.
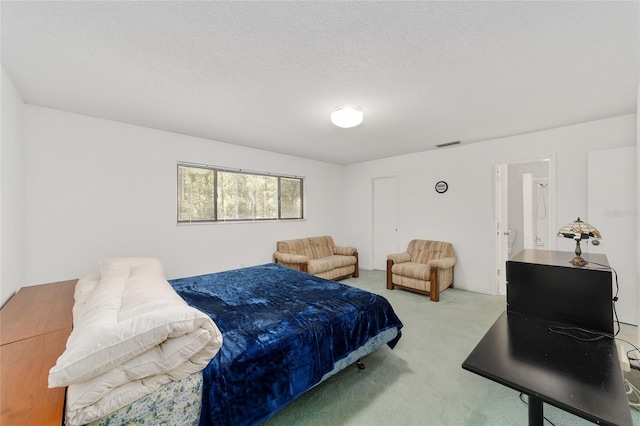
(277, 333)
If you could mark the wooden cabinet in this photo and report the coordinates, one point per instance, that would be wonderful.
(34, 326)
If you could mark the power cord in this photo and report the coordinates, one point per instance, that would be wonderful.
(527, 404)
(635, 366)
(615, 296)
(629, 357)
(590, 335)
(633, 394)
(615, 313)
(584, 335)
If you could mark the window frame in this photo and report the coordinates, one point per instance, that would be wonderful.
(217, 169)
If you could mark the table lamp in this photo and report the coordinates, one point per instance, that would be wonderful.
(579, 230)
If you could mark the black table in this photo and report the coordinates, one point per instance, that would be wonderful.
(583, 378)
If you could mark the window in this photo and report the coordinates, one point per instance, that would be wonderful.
(210, 194)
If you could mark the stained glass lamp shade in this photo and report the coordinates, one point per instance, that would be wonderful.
(579, 230)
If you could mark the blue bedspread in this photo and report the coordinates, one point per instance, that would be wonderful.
(283, 330)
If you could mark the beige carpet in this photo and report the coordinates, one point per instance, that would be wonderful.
(421, 381)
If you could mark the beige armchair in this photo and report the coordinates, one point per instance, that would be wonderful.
(426, 267)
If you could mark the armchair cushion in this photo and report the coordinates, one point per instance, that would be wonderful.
(445, 262)
(290, 258)
(345, 251)
(422, 251)
(415, 270)
(400, 257)
(299, 247)
(321, 247)
(329, 263)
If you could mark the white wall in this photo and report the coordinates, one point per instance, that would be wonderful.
(464, 215)
(98, 188)
(12, 202)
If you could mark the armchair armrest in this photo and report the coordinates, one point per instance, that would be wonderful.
(345, 251)
(443, 263)
(399, 257)
(290, 258)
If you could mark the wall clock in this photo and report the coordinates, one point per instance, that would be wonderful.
(441, 187)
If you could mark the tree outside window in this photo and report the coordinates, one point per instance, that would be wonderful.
(209, 194)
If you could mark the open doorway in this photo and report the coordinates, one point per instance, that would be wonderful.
(525, 211)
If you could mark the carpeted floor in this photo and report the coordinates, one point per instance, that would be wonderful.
(421, 381)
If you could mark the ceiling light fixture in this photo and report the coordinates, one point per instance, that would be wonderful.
(347, 116)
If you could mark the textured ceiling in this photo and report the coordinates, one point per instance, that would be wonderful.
(268, 74)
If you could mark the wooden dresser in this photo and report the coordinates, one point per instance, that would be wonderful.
(34, 326)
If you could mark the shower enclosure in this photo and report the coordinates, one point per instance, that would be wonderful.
(528, 207)
(535, 212)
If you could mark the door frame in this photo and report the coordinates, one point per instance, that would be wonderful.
(501, 176)
(501, 198)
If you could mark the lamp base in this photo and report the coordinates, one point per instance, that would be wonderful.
(578, 261)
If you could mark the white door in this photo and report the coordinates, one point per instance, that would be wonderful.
(385, 224)
(612, 211)
(502, 226)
